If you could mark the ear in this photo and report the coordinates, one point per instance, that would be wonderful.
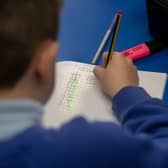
(44, 61)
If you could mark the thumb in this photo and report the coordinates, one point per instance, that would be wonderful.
(98, 71)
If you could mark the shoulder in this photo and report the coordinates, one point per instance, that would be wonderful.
(73, 132)
(82, 141)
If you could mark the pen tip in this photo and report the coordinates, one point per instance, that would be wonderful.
(120, 12)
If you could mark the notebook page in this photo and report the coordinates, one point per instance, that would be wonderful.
(154, 83)
(78, 93)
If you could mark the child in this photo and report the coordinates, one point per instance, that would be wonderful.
(27, 59)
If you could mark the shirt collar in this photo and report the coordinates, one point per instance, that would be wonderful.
(17, 116)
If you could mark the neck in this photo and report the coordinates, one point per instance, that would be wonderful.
(15, 93)
(23, 89)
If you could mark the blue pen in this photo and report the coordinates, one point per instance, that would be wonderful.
(107, 35)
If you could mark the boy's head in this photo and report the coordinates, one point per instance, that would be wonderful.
(28, 45)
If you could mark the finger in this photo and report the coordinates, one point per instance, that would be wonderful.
(105, 55)
(129, 60)
(98, 71)
(117, 53)
(116, 57)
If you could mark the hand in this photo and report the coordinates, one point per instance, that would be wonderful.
(119, 73)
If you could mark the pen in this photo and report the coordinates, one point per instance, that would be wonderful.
(114, 37)
(105, 38)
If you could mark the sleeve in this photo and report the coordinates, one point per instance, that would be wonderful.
(141, 114)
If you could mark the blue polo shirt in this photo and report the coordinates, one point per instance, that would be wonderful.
(141, 141)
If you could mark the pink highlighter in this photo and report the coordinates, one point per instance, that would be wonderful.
(143, 50)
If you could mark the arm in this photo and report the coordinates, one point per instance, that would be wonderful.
(136, 110)
(143, 114)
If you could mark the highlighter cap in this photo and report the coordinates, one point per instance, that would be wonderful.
(155, 46)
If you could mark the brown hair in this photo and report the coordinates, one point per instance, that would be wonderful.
(24, 24)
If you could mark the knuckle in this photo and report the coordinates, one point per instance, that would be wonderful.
(105, 53)
(135, 67)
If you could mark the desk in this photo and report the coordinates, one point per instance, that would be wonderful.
(84, 23)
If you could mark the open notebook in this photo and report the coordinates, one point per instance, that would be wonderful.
(77, 93)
